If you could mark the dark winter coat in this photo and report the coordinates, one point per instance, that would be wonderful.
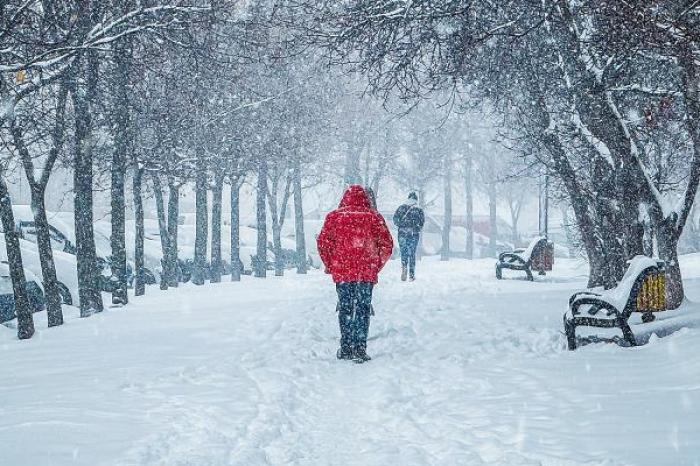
(409, 219)
(354, 243)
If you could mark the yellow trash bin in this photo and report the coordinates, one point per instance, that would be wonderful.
(652, 295)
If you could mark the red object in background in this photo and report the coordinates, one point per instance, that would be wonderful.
(354, 243)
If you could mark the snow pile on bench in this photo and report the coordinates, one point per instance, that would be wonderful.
(619, 295)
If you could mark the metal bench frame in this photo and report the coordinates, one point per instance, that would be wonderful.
(588, 318)
(512, 261)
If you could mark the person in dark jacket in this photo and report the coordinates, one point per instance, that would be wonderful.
(354, 245)
(409, 219)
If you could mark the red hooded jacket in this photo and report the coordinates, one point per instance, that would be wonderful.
(354, 243)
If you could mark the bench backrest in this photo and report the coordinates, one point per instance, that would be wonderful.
(648, 292)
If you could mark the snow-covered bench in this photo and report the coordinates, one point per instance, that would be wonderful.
(523, 259)
(640, 290)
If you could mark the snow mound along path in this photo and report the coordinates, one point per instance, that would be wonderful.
(467, 370)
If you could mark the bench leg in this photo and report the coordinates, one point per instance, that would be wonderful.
(570, 330)
(529, 275)
(499, 273)
(627, 333)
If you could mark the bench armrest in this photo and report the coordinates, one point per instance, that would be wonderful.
(592, 300)
(582, 293)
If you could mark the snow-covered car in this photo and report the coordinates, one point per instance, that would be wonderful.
(59, 242)
(62, 232)
(66, 270)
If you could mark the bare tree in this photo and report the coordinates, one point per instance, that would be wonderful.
(25, 321)
(37, 187)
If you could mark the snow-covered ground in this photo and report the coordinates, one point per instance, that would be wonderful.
(467, 370)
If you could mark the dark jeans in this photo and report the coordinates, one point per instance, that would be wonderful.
(354, 308)
(408, 245)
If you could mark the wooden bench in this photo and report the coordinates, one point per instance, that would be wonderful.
(642, 289)
(537, 256)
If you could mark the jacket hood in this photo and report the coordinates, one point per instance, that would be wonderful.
(355, 196)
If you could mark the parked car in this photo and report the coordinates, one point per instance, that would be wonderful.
(66, 272)
(59, 241)
(62, 232)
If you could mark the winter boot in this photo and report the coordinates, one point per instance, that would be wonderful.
(360, 355)
(404, 273)
(412, 276)
(344, 353)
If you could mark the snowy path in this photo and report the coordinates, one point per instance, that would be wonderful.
(466, 371)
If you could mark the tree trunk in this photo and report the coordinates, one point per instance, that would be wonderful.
(447, 223)
(173, 214)
(493, 220)
(302, 265)
(611, 231)
(118, 172)
(118, 238)
(201, 222)
(41, 224)
(139, 279)
(691, 93)
(635, 240)
(166, 264)
(25, 320)
(236, 264)
(272, 195)
(580, 203)
(215, 274)
(649, 239)
(592, 241)
(675, 294)
(469, 202)
(278, 214)
(666, 234)
(277, 246)
(48, 267)
(88, 273)
(260, 265)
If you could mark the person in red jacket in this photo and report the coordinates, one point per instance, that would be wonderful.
(354, 244)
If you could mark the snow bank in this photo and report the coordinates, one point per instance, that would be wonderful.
(467, 370)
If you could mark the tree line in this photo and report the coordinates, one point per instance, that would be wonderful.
(158, 97)
(164, 94)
